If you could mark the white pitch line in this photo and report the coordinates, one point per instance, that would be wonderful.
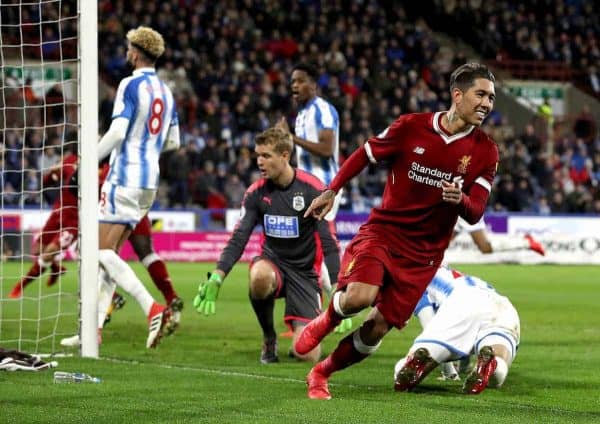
(227, 373)
(205, 370)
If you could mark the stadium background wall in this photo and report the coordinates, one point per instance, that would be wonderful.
(189, 236)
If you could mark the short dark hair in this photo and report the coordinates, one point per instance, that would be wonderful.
(465, 75)
(310, 70)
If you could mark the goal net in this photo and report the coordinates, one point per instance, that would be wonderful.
(41, 126)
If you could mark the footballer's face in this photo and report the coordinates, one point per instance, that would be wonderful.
(270, 163)
(131, 55)
(475, 104)
(303, 87)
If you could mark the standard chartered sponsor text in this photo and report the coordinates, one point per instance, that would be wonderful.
(429, 176)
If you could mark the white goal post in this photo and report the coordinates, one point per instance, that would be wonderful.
(88, 176)
(48, 105)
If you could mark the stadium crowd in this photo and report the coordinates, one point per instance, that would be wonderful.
(229, 65)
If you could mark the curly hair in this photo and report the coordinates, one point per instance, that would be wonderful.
(148, 41)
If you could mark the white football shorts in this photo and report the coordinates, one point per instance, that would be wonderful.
(124, 205)
(468, 316)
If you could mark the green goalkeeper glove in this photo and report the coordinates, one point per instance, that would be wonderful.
(205, 300)
(345, 325)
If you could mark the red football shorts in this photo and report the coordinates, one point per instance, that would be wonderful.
(61, 227)
(402, 281)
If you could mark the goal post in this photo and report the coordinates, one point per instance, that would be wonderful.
(48, 105)
(88, 176)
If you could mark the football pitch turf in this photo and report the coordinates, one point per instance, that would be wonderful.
(209, 370)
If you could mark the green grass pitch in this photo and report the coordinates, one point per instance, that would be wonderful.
(209, 372)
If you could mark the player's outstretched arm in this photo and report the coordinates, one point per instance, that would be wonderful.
(321, 205)
(208, 291)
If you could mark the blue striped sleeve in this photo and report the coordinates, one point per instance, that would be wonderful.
(318, 117)
(326, 115)
(129, 100)
(423, 303)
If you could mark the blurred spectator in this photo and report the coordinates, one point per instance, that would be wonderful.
(48, 159)
(558, 204)
(31, 187)
(594, 79)
(376, 60)
(234, 191)
(203, 184)
(505, 198)
(542, 207)
(545, 111)
(179, 170)
(585, 126)
(531, 140)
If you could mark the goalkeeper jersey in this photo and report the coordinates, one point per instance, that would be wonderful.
(288, 236)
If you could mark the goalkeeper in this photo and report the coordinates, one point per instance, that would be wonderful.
(291, 250)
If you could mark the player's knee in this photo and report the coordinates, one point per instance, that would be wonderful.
(262, 282)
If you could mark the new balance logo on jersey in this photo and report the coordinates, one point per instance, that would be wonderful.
(419, 150)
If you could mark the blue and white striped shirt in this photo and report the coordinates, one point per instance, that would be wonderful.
(318, 115)
(443, 284)
(148, 104)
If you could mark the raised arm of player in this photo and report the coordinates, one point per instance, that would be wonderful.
(323, 148)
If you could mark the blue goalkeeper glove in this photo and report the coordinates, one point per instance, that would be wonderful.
(344, 326)
(205, 300)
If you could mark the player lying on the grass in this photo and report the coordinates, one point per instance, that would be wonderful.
(469, 317)
(287, 266)
(487, 244)
(498, 242)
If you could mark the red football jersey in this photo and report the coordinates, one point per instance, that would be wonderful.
(413, 217)
(68, 196)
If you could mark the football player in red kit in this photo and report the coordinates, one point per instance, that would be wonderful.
(441, 166)
(59, 231)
